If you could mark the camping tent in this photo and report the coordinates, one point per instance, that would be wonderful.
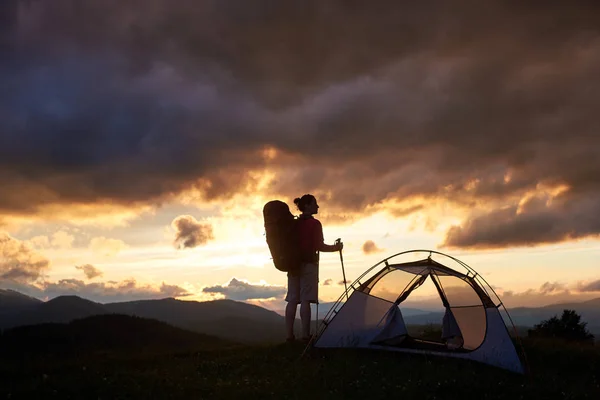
(369, 313)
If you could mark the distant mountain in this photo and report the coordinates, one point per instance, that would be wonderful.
(324, 308)
(529, 316)
(62, 309)
(423, 319)
(166, 309)
(232, 320)
(104, 333)
(13, 302)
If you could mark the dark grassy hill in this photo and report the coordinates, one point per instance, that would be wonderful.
(278, 372)
(229, 319)
(245, 330)
(103, 333)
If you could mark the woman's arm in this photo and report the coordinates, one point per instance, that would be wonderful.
(327, 248)
(320, 242)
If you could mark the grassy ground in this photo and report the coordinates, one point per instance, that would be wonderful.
(277, 372)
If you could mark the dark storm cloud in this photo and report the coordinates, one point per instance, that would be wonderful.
(240, 290)
(190, 233)
(567, 218)
(473, 102)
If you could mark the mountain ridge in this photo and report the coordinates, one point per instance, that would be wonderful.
(229, 319)
(12, 302)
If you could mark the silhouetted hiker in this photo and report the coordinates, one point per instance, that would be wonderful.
(303, 285)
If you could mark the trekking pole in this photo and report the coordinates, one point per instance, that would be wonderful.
(343, 271)
(317, 318)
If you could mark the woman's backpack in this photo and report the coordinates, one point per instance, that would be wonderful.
(281, 229)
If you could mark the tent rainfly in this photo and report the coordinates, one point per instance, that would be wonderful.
(369, 313)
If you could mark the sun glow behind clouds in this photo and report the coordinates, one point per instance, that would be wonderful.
(544, 193)
(239, 248)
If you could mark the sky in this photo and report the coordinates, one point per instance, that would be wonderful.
(140, 139)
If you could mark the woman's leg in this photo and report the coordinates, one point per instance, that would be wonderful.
(305, 316)
(309, 293)
(292, 298)
(290, 317)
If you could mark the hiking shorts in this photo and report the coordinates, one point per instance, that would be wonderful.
(304, 286)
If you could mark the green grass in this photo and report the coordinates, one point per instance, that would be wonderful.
(277, 372)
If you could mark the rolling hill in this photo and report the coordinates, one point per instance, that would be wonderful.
(108, 333)
(13, 302)
(228, 319)
(61, 309)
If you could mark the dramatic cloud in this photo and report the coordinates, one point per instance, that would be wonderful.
(328, 282)
(18, 261)
(240, 290)
(89, 270)
(106, 246)
(190, 233)
(480, 105)
(369, 247)
(538, 220)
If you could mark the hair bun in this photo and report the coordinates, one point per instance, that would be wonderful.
(297, 200)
